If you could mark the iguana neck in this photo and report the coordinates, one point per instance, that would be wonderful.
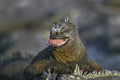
(72, 51)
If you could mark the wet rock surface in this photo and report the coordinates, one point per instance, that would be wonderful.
(24, 31)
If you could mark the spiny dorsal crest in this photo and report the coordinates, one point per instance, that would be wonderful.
(65, 19)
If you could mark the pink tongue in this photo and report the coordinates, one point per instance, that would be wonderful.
(56, 41)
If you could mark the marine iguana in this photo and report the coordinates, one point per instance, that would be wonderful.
(65, 50)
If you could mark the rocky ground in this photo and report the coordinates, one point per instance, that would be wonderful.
(24, 31)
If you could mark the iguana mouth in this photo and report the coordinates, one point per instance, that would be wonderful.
(58, 42)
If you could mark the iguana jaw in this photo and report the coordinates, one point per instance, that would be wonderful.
(58, 42)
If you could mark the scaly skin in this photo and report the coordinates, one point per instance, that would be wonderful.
(62, 59)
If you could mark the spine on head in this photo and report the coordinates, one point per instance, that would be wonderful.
(65, 19)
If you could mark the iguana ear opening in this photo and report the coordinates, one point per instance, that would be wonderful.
(65, 19)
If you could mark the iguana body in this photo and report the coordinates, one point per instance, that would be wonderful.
(65, 51)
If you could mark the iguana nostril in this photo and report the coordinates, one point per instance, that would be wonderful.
(60, 25)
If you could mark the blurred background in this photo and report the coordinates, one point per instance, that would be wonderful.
(24, 31)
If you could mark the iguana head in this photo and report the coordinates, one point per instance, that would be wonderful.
(62, 32)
